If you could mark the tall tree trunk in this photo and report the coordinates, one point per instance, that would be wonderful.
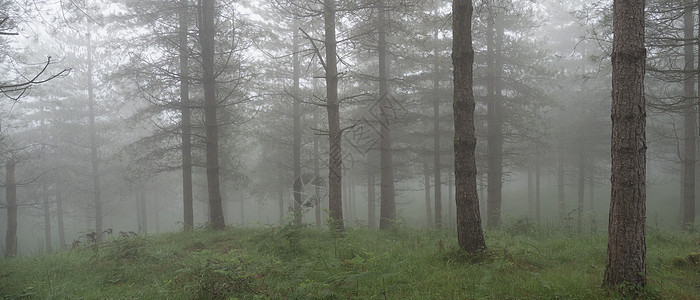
(371, 193)
(59, 220)
(591, 200)
(387, 212)
(469, 233)
(11, 197)
(450, 197)
(560, 186)
(531, 192)
(206, 38)
(626, 259)
(581, 186)
(280, 199)
(317, 176)
(689, 119)
(142, 204)
(426, 187)
(335, 159)
(296, 111)
(185, 123)
(537, 186)
(94, 148)
(436, 137)
(494, 35)
(47, 217)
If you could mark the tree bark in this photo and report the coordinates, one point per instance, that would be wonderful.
(185, 123)
(11, 197)
(426, 187)
(626, 255)
(94, 148)
(47, 217)
(335, 159)
(689, 119)
(581, 187)
(59, 220)
(143, 222)
(494, 35)
(296, 112)
(371, 191)
(206, 38)
(388, 202)
(469, 233)
(437, 168)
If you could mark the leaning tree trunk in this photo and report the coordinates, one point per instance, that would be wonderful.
(11, 197)
(185, 123)
(469, 233)
(626, 255)
(335, 158)
(206, 38)
(689, 119)
(387, 210)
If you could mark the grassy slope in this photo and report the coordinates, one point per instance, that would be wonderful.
(281, 262)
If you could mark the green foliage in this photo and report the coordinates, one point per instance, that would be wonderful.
(523, 260)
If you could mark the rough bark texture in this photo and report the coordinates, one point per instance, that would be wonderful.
(437, 170)
(469, 233)
(689, 119)
(296, 119)
(494, 36)
(335, 158)
(94, 148)
(206, 39)
(387, 210)
(11, 197)
(185, 122)
(626, 255)
(47, 217)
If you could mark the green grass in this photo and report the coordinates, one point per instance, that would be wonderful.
(307, 263)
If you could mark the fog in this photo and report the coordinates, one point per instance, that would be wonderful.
(99, 97)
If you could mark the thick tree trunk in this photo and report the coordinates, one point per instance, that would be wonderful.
(94, 148)
(469, 233)
(47, 217)
(388, 202)
(206, 38)
(11, 197)
(494, 35)
(689, 120)
(296, 112)
(626, 259)
(185, 123)
(335, 159)
(437, 168)
(59, 220)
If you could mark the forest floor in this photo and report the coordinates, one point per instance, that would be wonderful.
(291, 263)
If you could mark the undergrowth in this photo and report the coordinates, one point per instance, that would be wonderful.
(523, 260)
